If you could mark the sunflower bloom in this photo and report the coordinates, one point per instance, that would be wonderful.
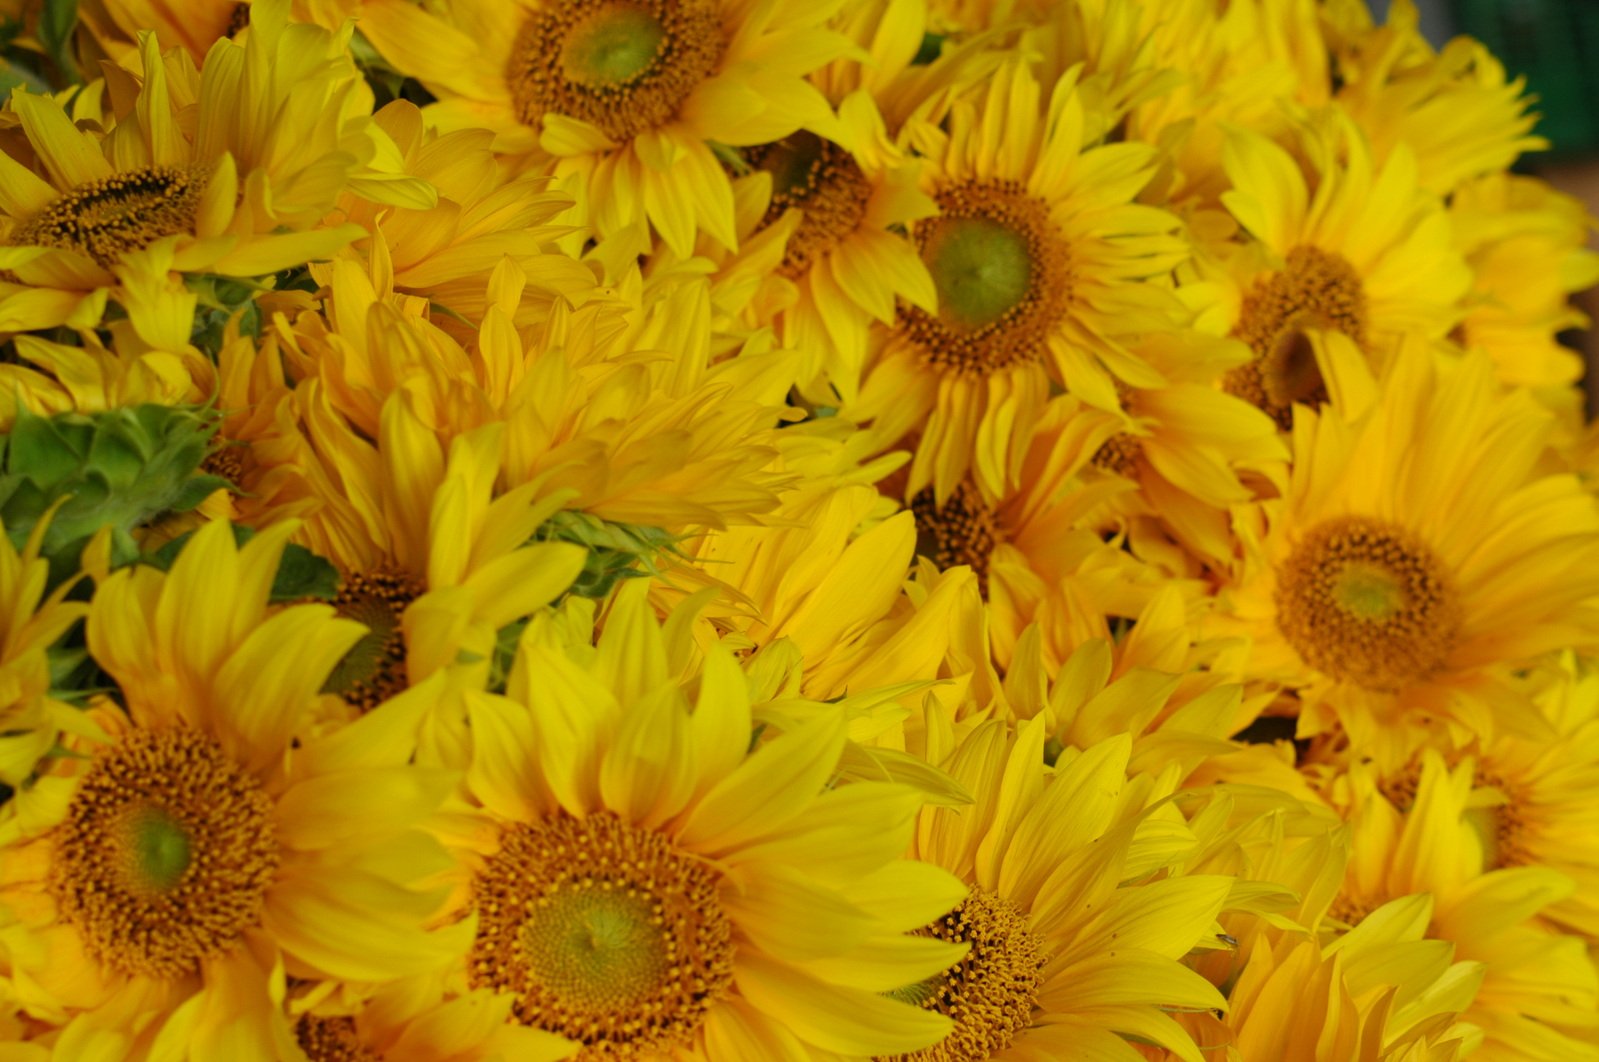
(1361, 249)
(237, 163)
(1061, 962)
(748, 910)
(1040, 259)
(239, 854)
(622, 98)
(1540, 988)
(1418, 555)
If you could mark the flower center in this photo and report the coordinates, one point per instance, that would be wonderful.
(165, 854)
(1365, 601)
(1502, 827)
(1119, 454)
(238, 20)
(961, 531)
(624, 67)
(1315, 290)
(824, 181)
(1003, 277)
(991, 992)
(604, 932)
(332, 1040)
(115, 215)
(374, 668)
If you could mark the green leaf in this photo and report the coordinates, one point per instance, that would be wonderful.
(56, 23)
(301, 573)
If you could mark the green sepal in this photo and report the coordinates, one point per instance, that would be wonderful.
(616, 551)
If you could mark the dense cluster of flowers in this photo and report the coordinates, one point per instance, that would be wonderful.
(757, 530)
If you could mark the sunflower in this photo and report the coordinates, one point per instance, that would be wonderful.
(30, 718)
(1531, 801)
(193, 25)
(1527, 247)
(1038, 557)
(1043, 267)
(1068, 954)
(433, 561)
(831, 210)
(237, 163)
(827, 575)
(1193, 449)
(484, 213)
(1540, 989)
(409, 1020)
(1418, 555)
(745, 909)
(1231, 68)
(236, 853)
(1379, 992)
(624, 99)
(93, 375)
(1360, 249)
(1148, 687)
(614, 407)
(1454, 109)
(1295, 988)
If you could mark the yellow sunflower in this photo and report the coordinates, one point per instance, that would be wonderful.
(1533, 800)
(1527, 247)
(1380, 992)
(614, 407)
(1359, 248)
(1038, 557)
(238, 163)
(1454, 109)
(624, 99)
(193, 25)
(30, 718)
(827, 576)
(1419, 554)
(1540, 990)
(1231, 66)
(484, 213)
(1043, 266)
(408, 1020)
(433, 560)
(1295, 990)
(744, 908)
(93, 374)
(1193, 449)
(159, 889)
(1075, 930)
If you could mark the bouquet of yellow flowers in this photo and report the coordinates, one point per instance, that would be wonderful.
(747, 530)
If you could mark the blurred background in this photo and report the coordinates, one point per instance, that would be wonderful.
(1554, 44)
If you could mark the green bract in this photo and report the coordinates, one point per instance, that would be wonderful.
(120, 468)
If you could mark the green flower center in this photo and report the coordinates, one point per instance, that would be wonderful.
(1003, 272)
(159, 847)
(982, 270)
(1367, 592)
(613, 46)
(604, 932)
(1366, 601)
(600, 945)
(622, 67)
(166, 853)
